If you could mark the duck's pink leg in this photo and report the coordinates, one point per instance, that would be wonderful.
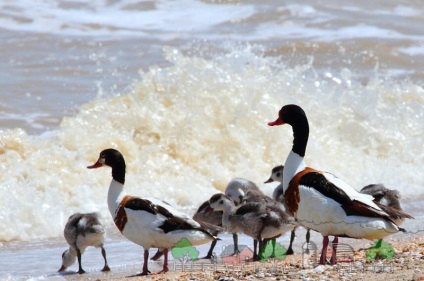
(146, 261)
(323, 258)
(333, 252)
(165, 262)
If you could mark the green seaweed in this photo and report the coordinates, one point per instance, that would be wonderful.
(273, 250)
(380, 250)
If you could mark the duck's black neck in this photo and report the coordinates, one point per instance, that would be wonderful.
(300, 134)
(118, 173)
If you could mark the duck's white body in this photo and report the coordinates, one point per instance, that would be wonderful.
(143, 228)
(378, 194)
(387, 200)
(326, 216)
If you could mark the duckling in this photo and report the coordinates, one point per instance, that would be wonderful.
(82, 231)
(257, 220)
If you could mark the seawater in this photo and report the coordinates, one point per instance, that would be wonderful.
(186, 130)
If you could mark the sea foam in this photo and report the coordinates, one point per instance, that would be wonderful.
(187, 129)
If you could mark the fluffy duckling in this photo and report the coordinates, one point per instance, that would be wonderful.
(241, 191)
(388, 200)
(257, 220)
(82, 231)
(211, 220)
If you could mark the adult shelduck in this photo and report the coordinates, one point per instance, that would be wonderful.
(82, 231)
(143, 222)
(386, 199)
(321, 201)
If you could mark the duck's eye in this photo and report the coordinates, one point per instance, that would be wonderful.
(278, 174)
(221, 202)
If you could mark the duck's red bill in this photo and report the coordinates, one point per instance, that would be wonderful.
(276, 122)
(95, 165)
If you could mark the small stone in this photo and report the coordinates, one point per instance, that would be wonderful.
(319, 269)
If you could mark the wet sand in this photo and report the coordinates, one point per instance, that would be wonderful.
(40, 260)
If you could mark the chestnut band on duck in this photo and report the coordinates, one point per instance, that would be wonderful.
(321, 201)
(150, 223)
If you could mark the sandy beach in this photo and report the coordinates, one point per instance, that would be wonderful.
(407, 264)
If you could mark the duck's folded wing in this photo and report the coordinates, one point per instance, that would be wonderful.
(352, 202)
(138, 204)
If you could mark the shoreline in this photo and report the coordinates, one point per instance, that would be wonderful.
(42, 259)
(406, 264)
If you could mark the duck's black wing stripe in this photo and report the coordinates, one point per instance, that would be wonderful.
(319, 182)
(173, 223)
(351, 207)
(139, 204)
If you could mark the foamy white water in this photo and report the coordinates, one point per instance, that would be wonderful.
(207, 118)
(184, 90)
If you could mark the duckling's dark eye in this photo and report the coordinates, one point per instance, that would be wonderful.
(221, 202)
(278, 174)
